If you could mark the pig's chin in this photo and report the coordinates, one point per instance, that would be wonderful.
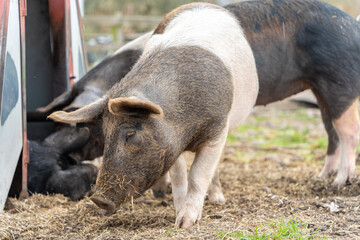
(113, 190)
(115, 196)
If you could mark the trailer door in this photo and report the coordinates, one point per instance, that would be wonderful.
(10, 95)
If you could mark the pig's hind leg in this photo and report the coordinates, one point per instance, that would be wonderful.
(332, 159)
(348, 129)
(339, 103)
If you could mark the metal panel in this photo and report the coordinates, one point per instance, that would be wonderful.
(11, 107)
(78, 54)
(45, 77)
(39, 59)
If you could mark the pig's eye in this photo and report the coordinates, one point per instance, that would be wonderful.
(129, 135)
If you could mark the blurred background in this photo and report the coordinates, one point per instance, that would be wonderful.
(109, 24)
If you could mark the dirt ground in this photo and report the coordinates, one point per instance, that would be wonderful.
(263, 179)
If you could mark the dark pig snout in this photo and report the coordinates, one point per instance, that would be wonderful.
(103, 203)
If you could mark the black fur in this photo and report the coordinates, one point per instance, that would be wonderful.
(50, 170)
(301, 44)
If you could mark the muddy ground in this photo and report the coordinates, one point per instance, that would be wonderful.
(268, 173)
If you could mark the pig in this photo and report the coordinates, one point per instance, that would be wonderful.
(73, 182)
(195, 80)
(309, 44)
(50, 168)
(49, 156)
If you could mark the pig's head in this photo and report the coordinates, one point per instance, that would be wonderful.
(139, 146)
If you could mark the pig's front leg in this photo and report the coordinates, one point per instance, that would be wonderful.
(179, 182)
(201, 172)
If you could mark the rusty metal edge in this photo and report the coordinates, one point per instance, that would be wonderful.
(25, 154)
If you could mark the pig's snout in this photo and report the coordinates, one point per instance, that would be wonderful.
(103, 203)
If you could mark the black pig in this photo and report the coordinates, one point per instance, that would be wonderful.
(50, 168)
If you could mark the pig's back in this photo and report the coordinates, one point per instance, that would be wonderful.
(307, 41)
(215, 30)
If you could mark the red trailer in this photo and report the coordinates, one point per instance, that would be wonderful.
(42, 55)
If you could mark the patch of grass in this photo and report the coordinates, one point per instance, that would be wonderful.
(299, 115)
(291, 229)
(231, 138)
(319, 143)
(169, 231)
(286, 137)
(246, 127)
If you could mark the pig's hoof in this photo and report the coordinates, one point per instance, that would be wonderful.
(217, 198)
(159, 193)
(323, 174)
(326, 173)
(338, 183)
(184, 223)
(187, 218)
(343, 178)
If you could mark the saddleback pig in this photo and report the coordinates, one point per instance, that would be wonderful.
(195, 80)
(309, 44)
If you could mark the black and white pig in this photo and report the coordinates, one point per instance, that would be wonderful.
(50, 170)
(195, 80)
(309, 44)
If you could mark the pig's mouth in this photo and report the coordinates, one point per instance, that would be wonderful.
(104, 203)
(111, 199)
(111, 192)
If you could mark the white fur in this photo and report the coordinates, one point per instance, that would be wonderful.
(138, 43)
(331, 164)
(220, 33)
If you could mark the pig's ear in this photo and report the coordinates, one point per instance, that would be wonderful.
(85, 114)
(123, 105)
